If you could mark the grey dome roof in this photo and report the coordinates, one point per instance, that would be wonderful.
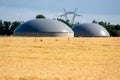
(43, 25)
(90, 30)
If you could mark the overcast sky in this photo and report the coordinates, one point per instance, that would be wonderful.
(100, 10)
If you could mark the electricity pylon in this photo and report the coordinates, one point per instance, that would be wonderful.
(70, 13)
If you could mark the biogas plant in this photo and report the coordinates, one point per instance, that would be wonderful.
(55, 28)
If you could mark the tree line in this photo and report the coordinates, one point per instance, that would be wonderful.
(8, 27)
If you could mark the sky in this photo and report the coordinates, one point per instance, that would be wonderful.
(23, 10)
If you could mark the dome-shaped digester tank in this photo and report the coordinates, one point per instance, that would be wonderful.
(43, 28)
(90, 30)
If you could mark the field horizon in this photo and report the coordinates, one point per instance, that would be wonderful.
(46, 58)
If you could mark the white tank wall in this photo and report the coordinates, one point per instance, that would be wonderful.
(47, 34)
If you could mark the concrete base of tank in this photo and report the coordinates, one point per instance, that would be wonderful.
(47, 34)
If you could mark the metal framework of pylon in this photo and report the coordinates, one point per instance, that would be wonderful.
(70, 13)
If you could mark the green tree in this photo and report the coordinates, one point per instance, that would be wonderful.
(66, 22)
(94, 21)
(7, 24)
(5, 27)
(1, 25)
(40, 16)
(14, 25)
(117, 27)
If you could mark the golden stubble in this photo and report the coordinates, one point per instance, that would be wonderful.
(45, 58)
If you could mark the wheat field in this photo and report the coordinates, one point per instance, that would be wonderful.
(39, 58)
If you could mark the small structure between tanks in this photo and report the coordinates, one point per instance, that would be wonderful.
(43, 28)
(90, 30)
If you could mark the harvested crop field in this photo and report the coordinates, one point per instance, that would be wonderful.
(36, 58)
